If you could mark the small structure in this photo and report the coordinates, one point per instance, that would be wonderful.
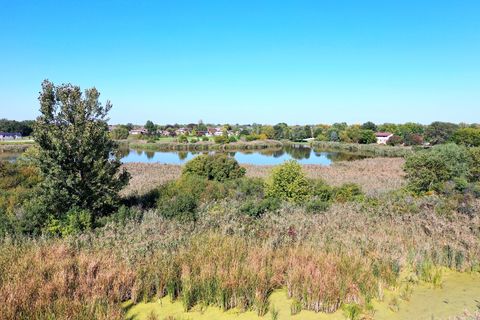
(10, 135)
(182, 131)
(138, 131)
(382, 137)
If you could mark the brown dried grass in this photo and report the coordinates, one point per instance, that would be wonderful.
(375, 175)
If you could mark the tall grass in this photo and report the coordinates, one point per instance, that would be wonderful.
(207, 146)
(374, 150)
(52, 281)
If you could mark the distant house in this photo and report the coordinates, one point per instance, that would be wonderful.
(10, 135)
(201, 133)
(182, 131)
(382, 137)
(138, 131)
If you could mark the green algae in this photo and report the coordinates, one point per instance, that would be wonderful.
(458, 292)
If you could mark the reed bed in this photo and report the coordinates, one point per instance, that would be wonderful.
(53, 281)
(207, 146)
(373, 150)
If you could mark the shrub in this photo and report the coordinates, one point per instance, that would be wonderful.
(321, 190)
(413, 139)
(119, 133)
(220, 139)
(217, 167)
(182, 139)
(428, 170)
(288, 182)
(469, 137)
(395, 140)
(205, 139)
(256, 208)
(475, 164)
(182, 206)
(347, 192)
(194, 140)
(232, 139)
(317, 206)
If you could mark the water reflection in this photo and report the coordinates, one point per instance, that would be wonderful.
(302, 154)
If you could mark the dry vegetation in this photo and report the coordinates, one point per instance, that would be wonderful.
(375, 175)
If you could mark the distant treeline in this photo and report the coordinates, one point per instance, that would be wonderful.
(24, 127)
(409, 133)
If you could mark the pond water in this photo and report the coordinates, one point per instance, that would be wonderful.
(303, 155)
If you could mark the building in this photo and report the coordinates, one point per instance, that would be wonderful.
(138, 131)
(382, 137)
(10, 135)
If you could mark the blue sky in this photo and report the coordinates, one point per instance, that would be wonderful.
(318, 61)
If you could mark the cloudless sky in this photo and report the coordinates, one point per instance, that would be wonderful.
(297, 61)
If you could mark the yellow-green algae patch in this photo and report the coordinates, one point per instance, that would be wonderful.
(459, 292)
(278, 301)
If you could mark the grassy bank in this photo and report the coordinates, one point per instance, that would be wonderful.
(15, 145)
(206, 146)
(372, 150)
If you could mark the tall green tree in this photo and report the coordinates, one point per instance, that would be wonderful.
(77, 158)
(150, 127)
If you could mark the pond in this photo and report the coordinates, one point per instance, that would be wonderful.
(302, 154)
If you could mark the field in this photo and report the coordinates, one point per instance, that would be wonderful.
(375, 175)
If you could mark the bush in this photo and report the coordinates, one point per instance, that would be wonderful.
(220, 139)
(232, 139)
(347, 192)
(469, 137)
(289, 183)
(429, 170)
(413, 139)
(182, 206)
(217, 167)
(182, 139)
(205, 139)
(317, 206)
(256, 208)
(74, 222)
(194, 140)
(475, 164)
(119, 133)
(395, 140)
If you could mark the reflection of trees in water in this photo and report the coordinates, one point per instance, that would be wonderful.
(182, 155)
(342, 156)
(150, 154)
(123, 151)
(298, 152)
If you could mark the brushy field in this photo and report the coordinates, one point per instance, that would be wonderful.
(374, 175)
(348, 254)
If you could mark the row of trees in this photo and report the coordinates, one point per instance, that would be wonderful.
(24, 127)
(408, 133)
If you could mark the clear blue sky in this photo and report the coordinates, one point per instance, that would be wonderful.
(297, 61)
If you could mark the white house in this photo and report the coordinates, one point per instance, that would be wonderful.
(10, 135)
(382, 137)
(138, 131)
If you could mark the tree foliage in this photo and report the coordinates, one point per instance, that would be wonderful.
(77, 159)
(440, 132)
(469, 137)
(288, 182)
(119, 133)
(217, 167)
(429, 170)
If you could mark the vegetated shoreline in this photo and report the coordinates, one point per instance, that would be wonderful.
(206, 145)
(372, 150)
(374, 175)
(15, 146)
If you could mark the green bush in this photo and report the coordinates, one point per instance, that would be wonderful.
(182, 139)
(232, 139)
(205, 139)
(289, 183)
(182, 206)
(220, 139)
(469, 137)
(321, 190)
(347, 192)
(317, 206)
(429, 170)
(256, 208)
(475, 163)
(217, 167)
(75, 221)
